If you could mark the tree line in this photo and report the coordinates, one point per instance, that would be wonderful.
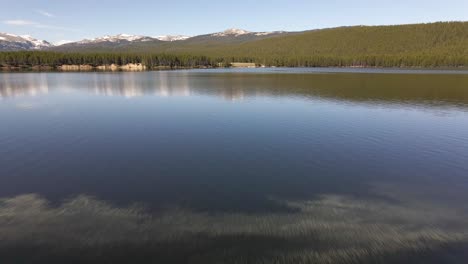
(27, 59)
(55, 59)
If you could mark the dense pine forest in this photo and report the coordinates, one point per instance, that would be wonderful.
(55, 59)
(442, 44)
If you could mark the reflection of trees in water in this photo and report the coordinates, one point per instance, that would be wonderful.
(424, 89)
(333, 229)
(13, 85)
(135, 84)
(110, 84)
(413, 89)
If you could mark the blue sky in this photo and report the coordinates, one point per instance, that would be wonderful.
(56, 20)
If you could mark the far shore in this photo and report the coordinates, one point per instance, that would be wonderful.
(131, 67)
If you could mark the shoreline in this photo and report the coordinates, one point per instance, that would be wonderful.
(142, 68)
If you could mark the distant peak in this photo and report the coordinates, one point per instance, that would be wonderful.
(9, 34)
(114, 38)
(171, 37)
(25, 41)
(232, 32)
(236, 31)
(28, 37)
(62, 42)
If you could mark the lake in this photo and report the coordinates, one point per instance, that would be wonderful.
(234, 166)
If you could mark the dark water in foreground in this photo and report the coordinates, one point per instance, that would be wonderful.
(250, 166)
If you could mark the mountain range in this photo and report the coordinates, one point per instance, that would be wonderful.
(11, 42)
(440, 44)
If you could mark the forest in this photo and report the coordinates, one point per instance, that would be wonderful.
(442, 44)
(54, 59)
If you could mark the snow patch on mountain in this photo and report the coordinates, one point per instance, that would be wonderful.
(115, 38)
(62, 42)
(172, 37)
(239, 32)
(268, 33)
(231, 32)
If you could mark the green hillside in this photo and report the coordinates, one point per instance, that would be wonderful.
(436, 44)
(427, 45)
(442, 44)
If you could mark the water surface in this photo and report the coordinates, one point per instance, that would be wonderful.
(253, 166)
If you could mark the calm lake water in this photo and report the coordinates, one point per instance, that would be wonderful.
(234, 166)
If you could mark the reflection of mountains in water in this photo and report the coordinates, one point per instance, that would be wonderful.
(423, 89)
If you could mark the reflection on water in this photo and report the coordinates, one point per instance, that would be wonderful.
(134, 85)
(281, 166)
(427, 89)
(23, 85)
(332, 229)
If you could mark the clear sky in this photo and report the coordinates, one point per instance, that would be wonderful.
(56, 20)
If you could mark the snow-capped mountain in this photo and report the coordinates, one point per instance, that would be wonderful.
(11, 42)
(116, 38)
(232, 36)
(124, 41)
(61, 42)
(171, 37)
(239, 32)
(119, 40)
(231, 32)
(104, 42)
